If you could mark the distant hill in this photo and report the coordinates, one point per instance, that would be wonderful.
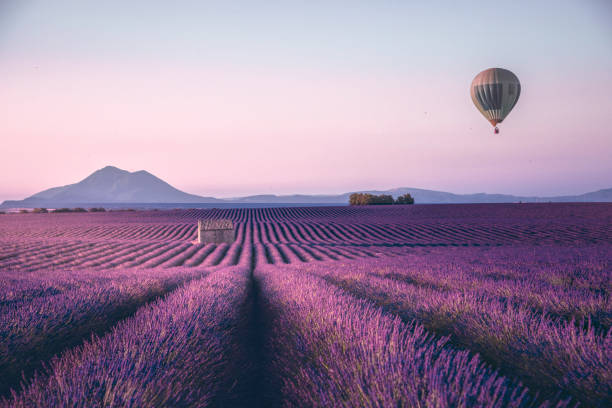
(428, 197)
(112, 185)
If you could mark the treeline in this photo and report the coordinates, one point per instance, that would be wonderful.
(383, 199)
(62, 210)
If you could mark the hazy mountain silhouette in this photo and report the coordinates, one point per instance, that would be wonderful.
(113, 185)
(422, 196)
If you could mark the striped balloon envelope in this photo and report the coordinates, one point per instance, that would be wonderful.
(495, 91)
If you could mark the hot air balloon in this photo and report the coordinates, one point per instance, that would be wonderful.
(495, 92)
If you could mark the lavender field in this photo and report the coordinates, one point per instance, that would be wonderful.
(492, 305)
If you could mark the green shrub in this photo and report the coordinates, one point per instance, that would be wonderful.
(62, 210)
(23, 211)
(40, 210)
(97, 209)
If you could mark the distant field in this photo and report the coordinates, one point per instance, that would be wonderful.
(162, 238)
(425, 305)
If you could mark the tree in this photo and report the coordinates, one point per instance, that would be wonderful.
(404, 199)
(360, 199)
(355, 199)
(370, 199)
(383, 199)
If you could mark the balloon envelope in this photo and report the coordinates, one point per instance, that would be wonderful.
(495, 91)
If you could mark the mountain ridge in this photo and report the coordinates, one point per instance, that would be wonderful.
(423, 196)
(112, 185)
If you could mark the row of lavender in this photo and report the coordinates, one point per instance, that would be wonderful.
(32, 256)
(50, 311)
(467, 213)
(37, 255)
(541, 315)
(306, 242)
(307, 343)
(326, 348)
(333, 225)
(358, 233)
(563, 282)
(183, 350)
(538, 314)
(47, 312)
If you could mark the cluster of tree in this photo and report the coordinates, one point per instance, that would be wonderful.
(383, 199)
(68, 210)
(404, 199)
(62, 210)
(370, 199)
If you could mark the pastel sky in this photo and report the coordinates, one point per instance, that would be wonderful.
(232, 98)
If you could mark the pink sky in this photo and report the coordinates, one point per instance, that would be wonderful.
(224, 128)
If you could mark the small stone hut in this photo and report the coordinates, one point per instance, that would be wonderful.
(215, 231)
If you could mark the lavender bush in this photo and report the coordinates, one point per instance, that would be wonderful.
(425, 305)
(329, 349)
(176, 352)
(547, 354)
(45, 313)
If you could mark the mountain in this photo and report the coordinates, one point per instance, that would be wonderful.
(112, 185)
(604, 195)
(422, 196)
